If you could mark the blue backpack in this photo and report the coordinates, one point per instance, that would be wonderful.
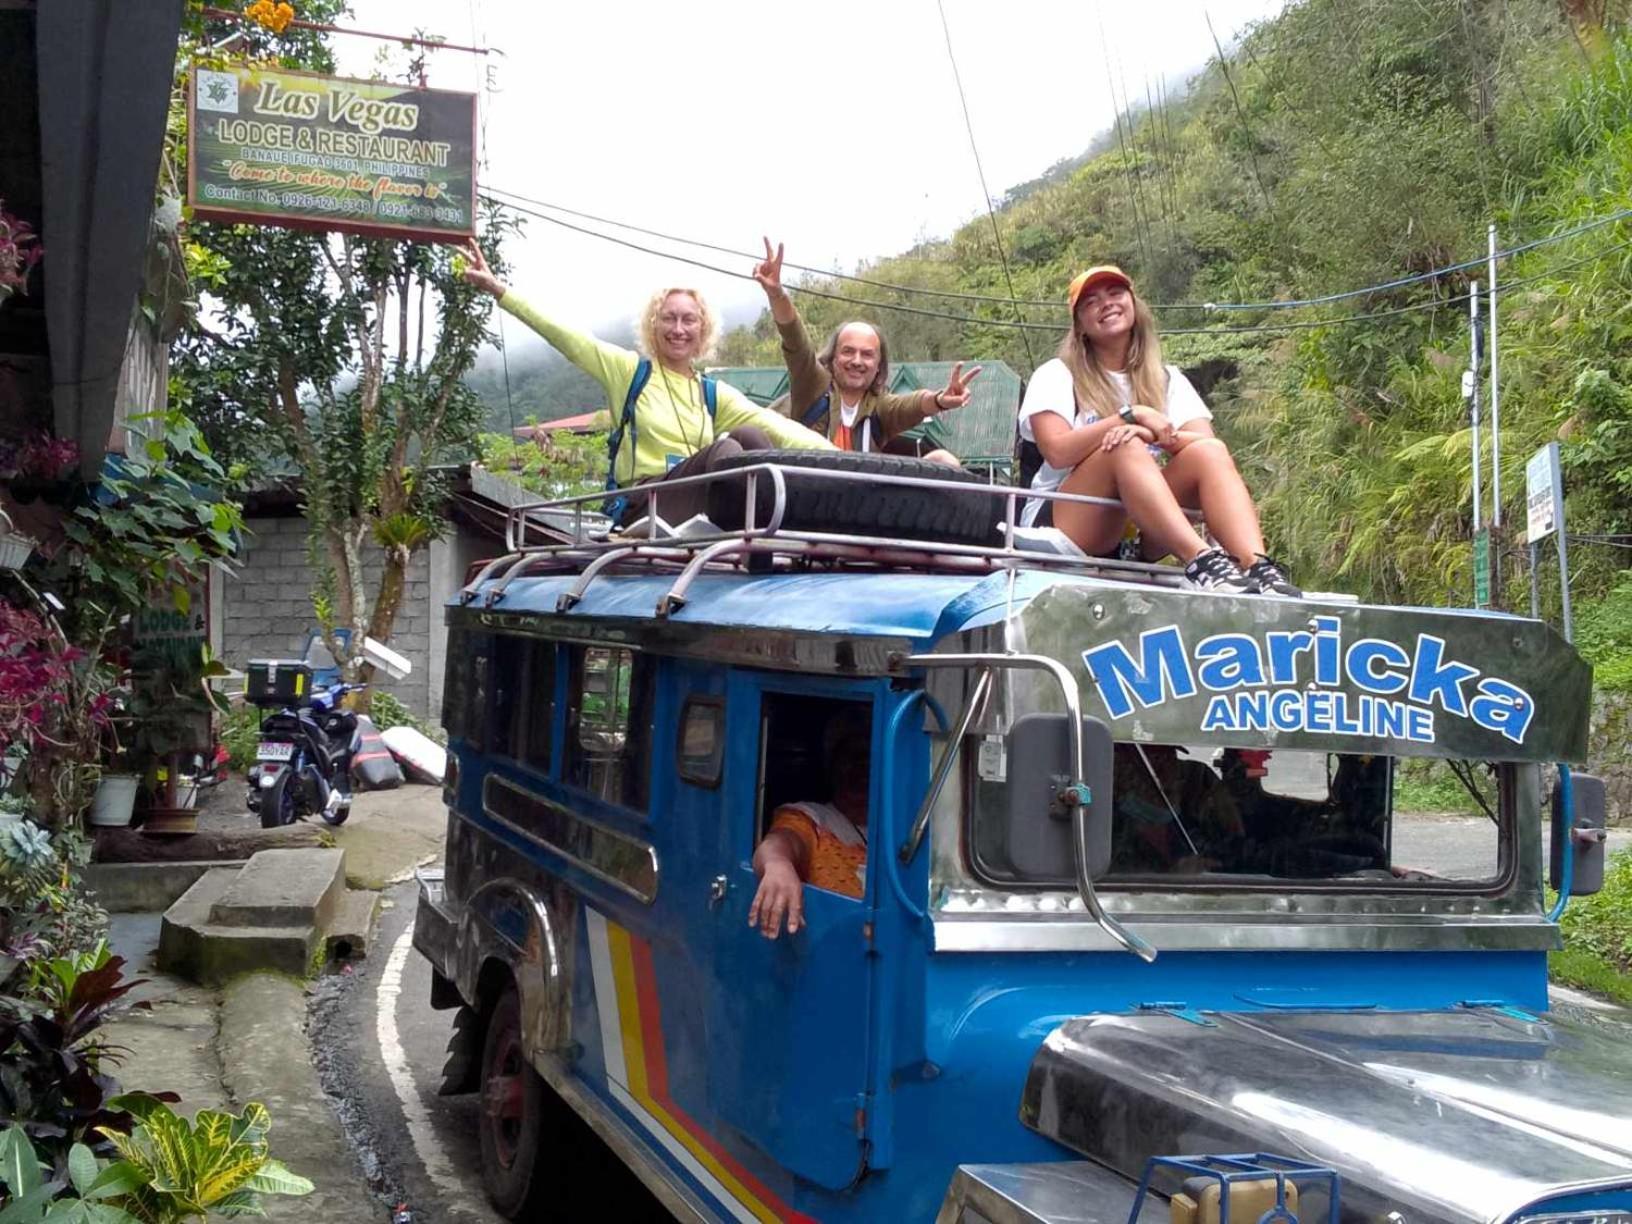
(626, 421)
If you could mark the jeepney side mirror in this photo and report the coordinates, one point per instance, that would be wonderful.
(1587, 837)
(1040, 834)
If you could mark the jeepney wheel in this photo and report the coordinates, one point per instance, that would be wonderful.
(512, 1113)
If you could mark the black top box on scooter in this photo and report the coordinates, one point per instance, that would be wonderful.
(282, 682)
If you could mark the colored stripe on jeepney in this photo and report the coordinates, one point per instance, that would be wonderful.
(637, 1074)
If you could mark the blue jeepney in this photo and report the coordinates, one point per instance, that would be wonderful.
(1143, 881)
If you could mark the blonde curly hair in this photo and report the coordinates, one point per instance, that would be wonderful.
(646, 324)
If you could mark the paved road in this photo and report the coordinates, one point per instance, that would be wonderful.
(381, 1049)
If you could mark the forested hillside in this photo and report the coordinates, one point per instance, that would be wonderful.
(1345, 144)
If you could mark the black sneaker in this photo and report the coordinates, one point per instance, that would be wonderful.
(1214, 571)
(1271, 579)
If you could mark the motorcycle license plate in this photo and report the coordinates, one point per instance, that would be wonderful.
(274, 752)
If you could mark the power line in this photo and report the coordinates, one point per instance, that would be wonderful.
(1285, 304)
(980, 171)
(1294, 325)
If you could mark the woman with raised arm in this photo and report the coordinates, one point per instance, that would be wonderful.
(1112, 421)
(668, 421)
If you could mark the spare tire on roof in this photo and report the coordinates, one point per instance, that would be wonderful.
(864, 507)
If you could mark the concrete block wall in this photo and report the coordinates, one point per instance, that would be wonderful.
(266, 608)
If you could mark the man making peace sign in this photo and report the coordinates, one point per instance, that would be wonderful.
(841, 391)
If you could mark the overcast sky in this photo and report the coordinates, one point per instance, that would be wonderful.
(834, 127)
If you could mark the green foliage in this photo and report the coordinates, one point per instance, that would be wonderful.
(1600, 926)
(53, 1083)
(241, 735)
(559, 464)
(1603, 635)
(172, 1170)
(34, 1195)
(45, 909)
(387, 711)
(172, 515)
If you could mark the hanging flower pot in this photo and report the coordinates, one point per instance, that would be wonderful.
(15, 548)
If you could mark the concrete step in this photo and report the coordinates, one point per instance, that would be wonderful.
(284, 888)
(284, 910)
(194, 947)
(351, 934)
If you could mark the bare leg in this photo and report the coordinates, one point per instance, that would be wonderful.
(1203, 476)
(1131, 475)
(945, 458)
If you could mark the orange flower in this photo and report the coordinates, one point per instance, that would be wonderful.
(275, 17)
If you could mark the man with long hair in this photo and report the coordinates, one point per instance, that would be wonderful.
(843, 391)
(669, 422)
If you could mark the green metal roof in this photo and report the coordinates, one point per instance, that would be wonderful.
(982, 431)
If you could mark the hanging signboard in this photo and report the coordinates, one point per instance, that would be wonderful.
(266, 146)
(1542, 492)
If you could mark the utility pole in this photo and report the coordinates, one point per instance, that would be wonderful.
(1470, 388)
(1495, 433)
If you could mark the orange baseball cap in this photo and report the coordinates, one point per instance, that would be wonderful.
(1094, 275)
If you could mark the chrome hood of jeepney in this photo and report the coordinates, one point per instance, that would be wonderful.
(1467, 1116)
(1200, 668)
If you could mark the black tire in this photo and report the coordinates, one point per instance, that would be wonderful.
(851, 508)
(511, 1116)
(278, 802)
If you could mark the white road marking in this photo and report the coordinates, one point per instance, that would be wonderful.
(421, 1131)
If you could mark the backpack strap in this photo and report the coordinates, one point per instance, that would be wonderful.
(711, 396)
(817, 410)
(626, 420)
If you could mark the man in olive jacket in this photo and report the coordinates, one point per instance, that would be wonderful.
(840, 392)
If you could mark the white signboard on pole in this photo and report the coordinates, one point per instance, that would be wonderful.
(1543, 492)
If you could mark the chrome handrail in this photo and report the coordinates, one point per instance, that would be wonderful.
(1072, 795)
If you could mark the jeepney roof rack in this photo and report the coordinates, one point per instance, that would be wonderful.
(570, 535)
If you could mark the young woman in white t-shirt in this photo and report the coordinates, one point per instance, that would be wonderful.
(1104, 413)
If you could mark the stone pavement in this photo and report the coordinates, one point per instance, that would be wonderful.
(221, 1050)
(392, 832)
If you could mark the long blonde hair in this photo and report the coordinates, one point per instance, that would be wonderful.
(646, 325)
(1095, 390)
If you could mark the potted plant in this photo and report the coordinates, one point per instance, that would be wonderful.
(15, 547)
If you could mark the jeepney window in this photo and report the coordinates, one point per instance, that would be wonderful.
(456, 684)
(464, 699)
(798, 738)
(1238, 816)
(610, 731)
(523, 693)
(700, 753)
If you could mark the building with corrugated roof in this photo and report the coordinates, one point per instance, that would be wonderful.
(981, 433)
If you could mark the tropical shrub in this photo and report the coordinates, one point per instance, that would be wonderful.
(171, 1170)
(54, 1086)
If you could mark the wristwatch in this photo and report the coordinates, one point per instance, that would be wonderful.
(1126, 413)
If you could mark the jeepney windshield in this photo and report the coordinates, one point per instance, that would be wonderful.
(1232, 816)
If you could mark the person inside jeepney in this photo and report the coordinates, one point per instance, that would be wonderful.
(1171, 815)
(1111, 420)
(843, 391)
(668, 420)
(820, 844)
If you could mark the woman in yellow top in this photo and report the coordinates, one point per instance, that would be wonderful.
(674, 434)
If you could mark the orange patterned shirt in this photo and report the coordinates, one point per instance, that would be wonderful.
(834, 848)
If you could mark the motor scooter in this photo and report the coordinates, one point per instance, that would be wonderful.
(303, 761)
